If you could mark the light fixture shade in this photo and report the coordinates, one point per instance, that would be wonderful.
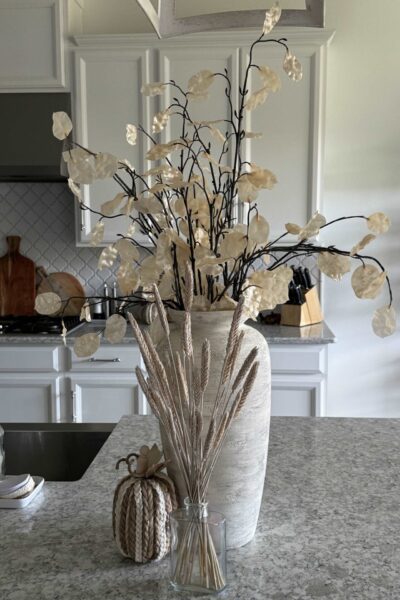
(167, 24)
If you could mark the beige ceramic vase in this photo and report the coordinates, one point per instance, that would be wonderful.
(237, 482)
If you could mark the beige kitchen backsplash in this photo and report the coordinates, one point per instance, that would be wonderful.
(43, 215)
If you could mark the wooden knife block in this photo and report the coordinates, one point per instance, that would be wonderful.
(308, 313)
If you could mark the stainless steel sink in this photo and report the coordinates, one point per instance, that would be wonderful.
(56, 451)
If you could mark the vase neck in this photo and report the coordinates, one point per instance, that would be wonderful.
(196, 509)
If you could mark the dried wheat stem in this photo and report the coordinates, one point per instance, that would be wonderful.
(188, 295)
(162, 313)
(205, 364)
(245, 367)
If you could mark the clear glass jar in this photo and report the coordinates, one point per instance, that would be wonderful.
(198, 549)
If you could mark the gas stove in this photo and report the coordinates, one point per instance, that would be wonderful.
(36, 324)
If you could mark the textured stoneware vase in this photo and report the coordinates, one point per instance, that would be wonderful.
(237, 482)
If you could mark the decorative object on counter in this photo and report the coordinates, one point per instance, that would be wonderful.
(303, 307)
(238, 498)
(187, 204)
(17, 281)
(67, 287)
(194, 431)
(193, 528)
(141, 507)
(24, 494)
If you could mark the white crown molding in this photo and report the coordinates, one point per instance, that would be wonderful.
(299, 36)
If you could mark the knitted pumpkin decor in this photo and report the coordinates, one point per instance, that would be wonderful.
(142, 501)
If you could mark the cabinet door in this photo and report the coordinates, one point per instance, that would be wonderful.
(108, 84)
(32, 45)
(29, 399)
(298, 397)
(103, 399)
(292, 124)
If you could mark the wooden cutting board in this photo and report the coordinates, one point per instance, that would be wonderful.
(17, 281)
(68, 288)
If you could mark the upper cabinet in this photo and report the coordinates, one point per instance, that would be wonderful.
(32, 56)
(110, 70)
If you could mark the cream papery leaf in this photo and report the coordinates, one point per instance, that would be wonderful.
(202, 237)
(108, 208)
(367, 239)
(246, 190)
(107, 257)
(106, 165)
(127, 250)
(160, 120)
(62, 125)
(198, 97)
(217, 134)
(333, 265)
(264, 290)
(252, 135)
(378, 223)
(270, 79)
(148, 205)
(115, 329)
(225, 303)
(160, 151)
(97, 234)
(293, 228)
(161, 170)
(125, 163)
(272, 17)
(184, 228)
(233, 244)
(128, 206)
(159, 187)
(258, 230)
(367, 281)
(257, 98)
(313, 226)
(131, 134)
(166, 286)
(48, 303)
(128, 278)
(75, 189)
(199, 83)
(153, 89)
(81, 165)
(85, 313)
(86, 345)
(150, 271)
(261, 178)
(384, 321)
(292, 66)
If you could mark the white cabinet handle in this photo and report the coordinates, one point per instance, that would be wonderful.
(73, 398)
(104, 360)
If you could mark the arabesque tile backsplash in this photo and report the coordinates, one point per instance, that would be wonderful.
(43, 215)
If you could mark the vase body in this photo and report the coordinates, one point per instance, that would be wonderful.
(198, 549)
(237, 482)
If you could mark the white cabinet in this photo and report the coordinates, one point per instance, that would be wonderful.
(110, 70)
(103, 399)
(30, 398)
(299, 374)
(42, 383)
(108, 83)
(32, 45)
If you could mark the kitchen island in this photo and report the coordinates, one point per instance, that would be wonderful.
(329, 525)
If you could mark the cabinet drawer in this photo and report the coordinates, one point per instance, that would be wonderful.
(108, 358)
(30, 358)
(298, 359)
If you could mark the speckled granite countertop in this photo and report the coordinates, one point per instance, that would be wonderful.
(275, 334)
(329, 526)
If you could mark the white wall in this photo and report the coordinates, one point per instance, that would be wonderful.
(362, 175)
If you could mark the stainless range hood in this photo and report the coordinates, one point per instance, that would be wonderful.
(28, 150)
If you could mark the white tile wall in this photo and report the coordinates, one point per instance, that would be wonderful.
(43, 215)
